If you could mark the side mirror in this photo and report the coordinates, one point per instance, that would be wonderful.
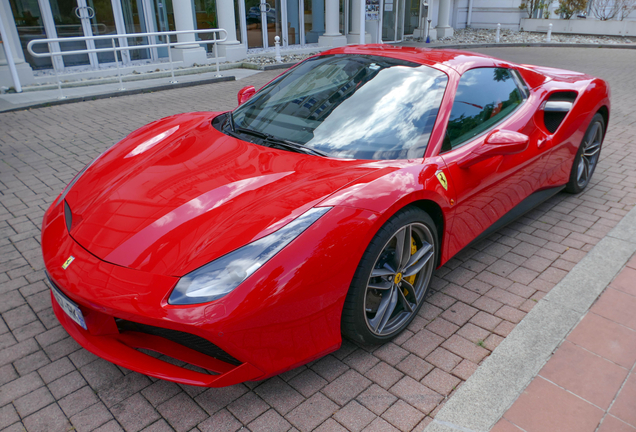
(245, 94)
(498, 143)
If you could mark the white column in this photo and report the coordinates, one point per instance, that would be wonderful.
(443, 27)
(332, 36)
(183, 20)
(231, 49)
(420, 30)
(24, 72)
(227, 21)
(354, 33)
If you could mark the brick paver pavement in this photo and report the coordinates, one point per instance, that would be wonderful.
(49, 383)
(589, 384)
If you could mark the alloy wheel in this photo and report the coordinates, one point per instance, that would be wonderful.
(589, 154)
(398, 281)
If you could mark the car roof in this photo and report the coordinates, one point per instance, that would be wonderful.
(457, 60)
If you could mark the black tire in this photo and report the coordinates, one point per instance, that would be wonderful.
(360, 322)
(587, 156)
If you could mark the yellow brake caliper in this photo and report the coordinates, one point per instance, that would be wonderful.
(411, 279)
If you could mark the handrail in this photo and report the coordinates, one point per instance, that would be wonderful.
(115, 49)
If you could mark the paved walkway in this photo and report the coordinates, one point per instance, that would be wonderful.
(590, 382)
(12, 101)
(48, 383)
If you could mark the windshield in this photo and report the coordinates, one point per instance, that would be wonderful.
(350, 106)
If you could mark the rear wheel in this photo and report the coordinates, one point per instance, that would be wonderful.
(587, 157)
(392, 278)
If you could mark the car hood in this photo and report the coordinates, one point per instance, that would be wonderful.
(178, 193)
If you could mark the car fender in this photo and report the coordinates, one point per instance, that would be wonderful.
(388, 191)
(593, 95)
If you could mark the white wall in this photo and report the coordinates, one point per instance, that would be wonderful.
(488, 13)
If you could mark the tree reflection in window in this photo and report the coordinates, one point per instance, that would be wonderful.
(484, 97)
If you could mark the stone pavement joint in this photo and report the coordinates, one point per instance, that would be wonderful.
(503, 376)
(493, 287)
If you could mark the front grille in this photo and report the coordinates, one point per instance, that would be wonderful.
(188, 340)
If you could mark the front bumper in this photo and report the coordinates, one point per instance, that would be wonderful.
(284, 315)
(122, 348)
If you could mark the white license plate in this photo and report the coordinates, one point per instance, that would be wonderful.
(71, 309)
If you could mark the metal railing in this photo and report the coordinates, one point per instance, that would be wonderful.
(123, 46)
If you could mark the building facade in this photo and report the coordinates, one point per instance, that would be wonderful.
(251, 26)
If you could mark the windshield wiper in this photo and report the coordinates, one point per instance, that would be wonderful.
(280, 142)
(290, 145)
(229, 122)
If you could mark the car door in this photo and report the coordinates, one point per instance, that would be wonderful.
(488, 100)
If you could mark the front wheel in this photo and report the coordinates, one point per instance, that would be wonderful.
(391, 281)
(587, 157)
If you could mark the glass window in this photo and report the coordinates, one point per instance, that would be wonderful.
(484, 97)
(411, 16)
(350, 106)
(28, 21)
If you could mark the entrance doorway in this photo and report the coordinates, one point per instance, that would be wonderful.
(293, 21)
(393, 20)
(77, 18)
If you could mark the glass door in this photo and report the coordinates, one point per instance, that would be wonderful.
(135, 22)
(411, 16)
(264, 22)
(254, 23)
(274, 22)
(30, 25)
(68, 23)
(163, 21)
(102, 22)
(393, 20)
(291, 15)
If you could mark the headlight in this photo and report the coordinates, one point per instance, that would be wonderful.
(221, 276)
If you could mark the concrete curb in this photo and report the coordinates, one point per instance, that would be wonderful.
(118, 93)
(503, 376)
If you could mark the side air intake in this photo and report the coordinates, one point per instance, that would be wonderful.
(555, 108)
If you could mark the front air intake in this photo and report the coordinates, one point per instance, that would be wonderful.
(194, 342)
(68, 216)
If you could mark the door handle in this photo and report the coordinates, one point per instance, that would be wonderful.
(90, 12)
(542, 142)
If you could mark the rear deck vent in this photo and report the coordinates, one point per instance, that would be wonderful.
(556, 107)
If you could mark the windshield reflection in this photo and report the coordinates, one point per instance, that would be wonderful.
(361, 107)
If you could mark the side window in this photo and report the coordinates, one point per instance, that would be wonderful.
(484, 97)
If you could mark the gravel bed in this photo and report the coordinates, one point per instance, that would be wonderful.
(267, 60)
(480, 36)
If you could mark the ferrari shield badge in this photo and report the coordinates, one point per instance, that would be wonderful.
(68, 262)
(442, 179)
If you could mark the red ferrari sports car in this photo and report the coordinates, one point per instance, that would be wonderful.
(248, 242)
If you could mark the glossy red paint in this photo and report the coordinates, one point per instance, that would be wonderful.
(177, 194)
(245, 94)
(498, 143)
